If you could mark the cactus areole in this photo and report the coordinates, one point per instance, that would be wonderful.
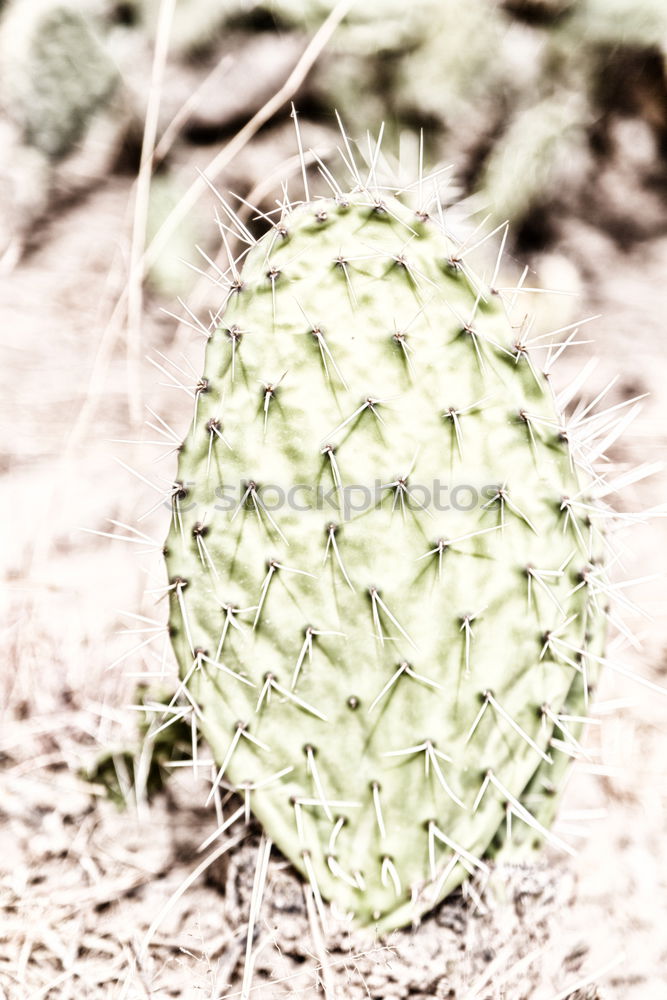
(380, 561)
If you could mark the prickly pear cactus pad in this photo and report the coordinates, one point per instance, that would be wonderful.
(382, 561)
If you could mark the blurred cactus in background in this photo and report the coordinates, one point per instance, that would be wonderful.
(56, 73)
(514, 94)
(61, 109)
(509, 93)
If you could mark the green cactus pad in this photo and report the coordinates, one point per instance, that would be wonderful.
(392, 668)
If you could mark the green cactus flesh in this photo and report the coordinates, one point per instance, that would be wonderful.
(385, 684)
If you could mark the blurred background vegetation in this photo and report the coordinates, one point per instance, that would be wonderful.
(532, 101)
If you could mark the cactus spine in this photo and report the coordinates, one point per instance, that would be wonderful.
(388, 674)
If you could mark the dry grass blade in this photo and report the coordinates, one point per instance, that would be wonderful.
(135, 299)
(589, 980)
(137, 273)
(306, 62)
(183, 888)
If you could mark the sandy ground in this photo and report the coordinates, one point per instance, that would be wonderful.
(80, 882)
